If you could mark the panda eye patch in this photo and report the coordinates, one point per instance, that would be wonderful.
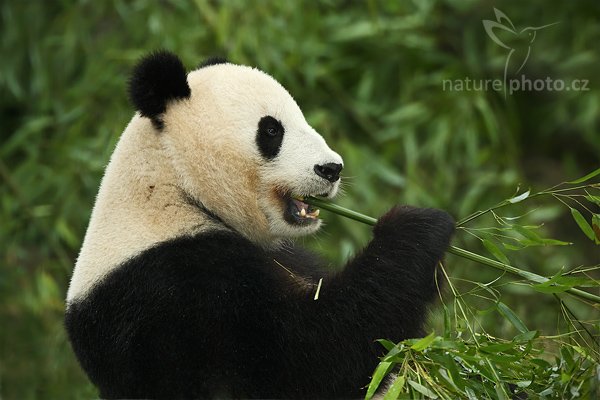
(269, 136)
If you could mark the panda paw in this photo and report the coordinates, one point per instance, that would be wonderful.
(407, 224)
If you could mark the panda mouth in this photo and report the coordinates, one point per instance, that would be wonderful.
(299, 213)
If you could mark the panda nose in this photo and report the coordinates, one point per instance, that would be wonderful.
(329, 171)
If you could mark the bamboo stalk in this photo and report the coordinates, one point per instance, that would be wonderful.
(530, 276)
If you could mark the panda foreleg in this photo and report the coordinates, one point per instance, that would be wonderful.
(382, 293)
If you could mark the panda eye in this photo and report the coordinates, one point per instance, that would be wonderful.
(270, 127)
(269, 136)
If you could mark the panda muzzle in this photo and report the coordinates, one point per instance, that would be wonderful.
(298, 212)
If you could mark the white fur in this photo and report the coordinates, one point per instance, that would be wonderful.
(293, 168)
(207, 150)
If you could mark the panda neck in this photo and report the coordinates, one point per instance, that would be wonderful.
(138, 205)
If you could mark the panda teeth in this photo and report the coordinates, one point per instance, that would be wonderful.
(313, 214)
(303, 210)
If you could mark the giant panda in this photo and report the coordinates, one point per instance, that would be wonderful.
(188, 283)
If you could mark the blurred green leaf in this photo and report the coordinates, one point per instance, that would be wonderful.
(525, 336)
(497, 348)
(500, 392)
(495, 251)
(586, 178)
(596, 227)
(560, 283)
(583, 224)
(593, 199)
(527, 232)
(507, 313)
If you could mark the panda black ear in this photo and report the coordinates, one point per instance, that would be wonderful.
(213, 61)
(157, 79)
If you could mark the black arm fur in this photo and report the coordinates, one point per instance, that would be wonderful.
(215, 316)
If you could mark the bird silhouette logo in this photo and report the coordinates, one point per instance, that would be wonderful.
(521, 41)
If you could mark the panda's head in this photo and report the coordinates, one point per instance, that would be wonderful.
(239, 144)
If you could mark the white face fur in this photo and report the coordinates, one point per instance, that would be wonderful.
(160, 184)
(215, 142)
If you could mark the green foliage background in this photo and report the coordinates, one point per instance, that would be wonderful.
(369, 78)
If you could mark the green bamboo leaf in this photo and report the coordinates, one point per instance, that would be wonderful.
(500, 391)
(483, 369)
(574, 281)
(495, 251)
(527, 233)
(386, 343)
(541, 363)
(509, 314)
(550, 286)
(394, 351)
(509, 246)
(566, 354)
(422, 389)
(381, 371)
(448, 345)
(593, 199)
(560, 283)
(587, 177)
(396, 389)
(526, 337)
(442, 375)
(471, 394)
(424, 343)
(543, 242)
(551, 289)
(583, 224)
(554, 242)
(497, 348)
(450, 365)
(596, 227)
(447, 323)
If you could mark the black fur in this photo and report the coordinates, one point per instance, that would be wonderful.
(157, 79)
(213, 61)
(269, 137)
(216, 316)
